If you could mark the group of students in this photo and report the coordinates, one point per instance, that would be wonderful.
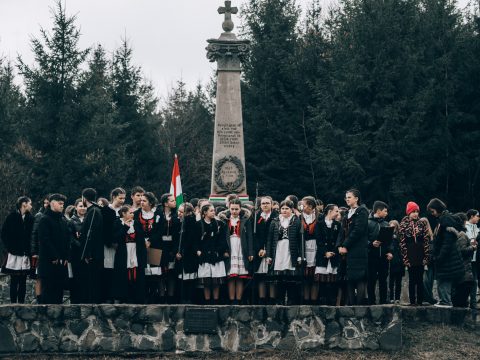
(292, 252)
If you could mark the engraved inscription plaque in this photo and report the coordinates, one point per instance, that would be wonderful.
(201, 321)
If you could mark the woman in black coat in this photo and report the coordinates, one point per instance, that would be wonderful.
(263, 220)
(75, 226)
(167, 232)
(16, 234)
(187, 259)
(240, 248)
(212, 250)
(285, 254)
(327, 260)
(353, 244)
(130, 259)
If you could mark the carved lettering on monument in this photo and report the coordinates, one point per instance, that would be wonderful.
(229, 135)
(229, 174)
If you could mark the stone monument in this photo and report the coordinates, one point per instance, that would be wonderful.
(228, 165)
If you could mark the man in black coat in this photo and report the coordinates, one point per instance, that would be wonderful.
(448, 260)
(53, 236)
(91, 245)
(379, 254)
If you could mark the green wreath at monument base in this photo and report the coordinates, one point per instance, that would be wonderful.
(233, 185)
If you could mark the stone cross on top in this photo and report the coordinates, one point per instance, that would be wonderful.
(228, 10)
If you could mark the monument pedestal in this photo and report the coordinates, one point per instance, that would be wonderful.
(228, 163)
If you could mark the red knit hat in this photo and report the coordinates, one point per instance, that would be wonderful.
(411, 207)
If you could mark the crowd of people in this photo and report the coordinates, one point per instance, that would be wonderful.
(292, 252)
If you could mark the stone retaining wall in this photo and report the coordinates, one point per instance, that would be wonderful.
(160, 328)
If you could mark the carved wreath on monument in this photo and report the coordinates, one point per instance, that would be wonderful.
(236, 181)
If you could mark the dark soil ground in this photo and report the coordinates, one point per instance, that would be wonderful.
(420, 342)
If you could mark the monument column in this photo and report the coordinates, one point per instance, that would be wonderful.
(228, 165)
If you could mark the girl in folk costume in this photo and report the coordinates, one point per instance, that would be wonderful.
(397, 269)
(187, 260)
(130, 258)
(16, 234)
(117, 197)
(310, 224)
(414, 240)
(167, 232)
(327, 260)
(264, 219)
(353, 244)
(211, 251)
(75, 226)
(240, 248)
(284, 254)
(144, 219)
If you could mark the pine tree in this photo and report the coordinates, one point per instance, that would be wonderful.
(52, 100)
(136, 107)
(187, 130)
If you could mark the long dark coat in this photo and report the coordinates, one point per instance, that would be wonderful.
(17, 232)
(91, 237)
(120, 276)
(261, 236)
(448, 261)
(54, 241)
(326, 242)
(188, 247)
(354, 237)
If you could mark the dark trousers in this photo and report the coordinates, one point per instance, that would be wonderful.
(415, 284)
(395, 285)
(107, 285)
(91, 282)
(377, 270)
(18, 288)
(460, 294)
(328, 291)
(356, 291)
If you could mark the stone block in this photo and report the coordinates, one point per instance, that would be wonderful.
(6, 311)
(223, 313)
(346, 312)
(78, 327)
(288, 343)
(168, 340)
(153, 313)
(242, 314)
(7, 342)
(376, 313)
(107, 311)
(28, 342)
(146, 344)
(259, 313)
(215, 343)
(85, 311)
(246, 342)
(151, 331)
(68, 345)
(361, 312)
(332, 329)
(305, 311)
(27, 313)
(391, 337)
(19, 326)
(55, 312)
(177, 313)
(292, 313)
(71, 312)
(137, 328)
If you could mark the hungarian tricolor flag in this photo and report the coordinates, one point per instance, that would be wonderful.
(176, 184)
